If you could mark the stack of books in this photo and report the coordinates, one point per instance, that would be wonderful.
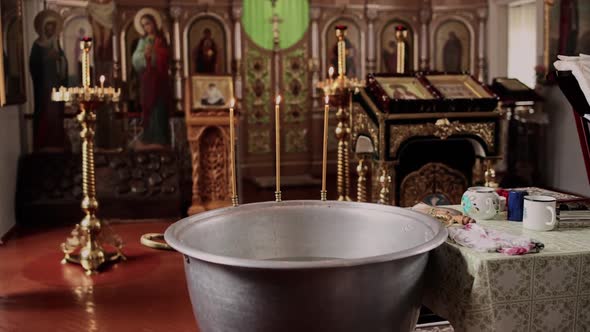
(574, 214)
(572, 210)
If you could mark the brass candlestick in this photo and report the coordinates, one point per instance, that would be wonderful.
(361, 186)
(364, 149)
(341, 89)
(85, 245)
(384, 181)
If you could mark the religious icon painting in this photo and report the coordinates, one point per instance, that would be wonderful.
(388, 55)
(452, 47)
(458, 87)
(12, 50)
(206, 47)
(409, 88)
(49, 69)
(74, 30)
(353, 44)
(212, 91)
(150, 60)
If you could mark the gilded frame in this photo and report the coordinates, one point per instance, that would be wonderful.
(413, 89)
(199, 86)
(460, 86)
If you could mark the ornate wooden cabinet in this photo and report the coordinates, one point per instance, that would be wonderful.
(424, 142)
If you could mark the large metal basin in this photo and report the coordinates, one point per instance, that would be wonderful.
(306, 266)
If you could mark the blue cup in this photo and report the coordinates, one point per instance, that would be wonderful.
(516, 204)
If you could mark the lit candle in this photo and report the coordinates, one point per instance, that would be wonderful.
(101, 79)
(278, 148)
(331, 72)
(325, 157)
(232, 159)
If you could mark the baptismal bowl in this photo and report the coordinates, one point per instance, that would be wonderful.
(306, 266)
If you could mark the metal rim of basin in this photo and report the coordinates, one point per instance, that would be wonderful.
(172, 238)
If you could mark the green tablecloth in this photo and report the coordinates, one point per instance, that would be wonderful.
(546, 291)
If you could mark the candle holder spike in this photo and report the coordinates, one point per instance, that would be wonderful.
(85, 246)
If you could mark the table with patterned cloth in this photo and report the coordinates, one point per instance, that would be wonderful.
(546, 291)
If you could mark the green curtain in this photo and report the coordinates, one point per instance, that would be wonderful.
(257, 16)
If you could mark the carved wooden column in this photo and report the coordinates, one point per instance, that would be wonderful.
(482, 15)
(425, 17)
(371, 61)
(176, 60)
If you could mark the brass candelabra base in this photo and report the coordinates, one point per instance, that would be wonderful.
(86, 246)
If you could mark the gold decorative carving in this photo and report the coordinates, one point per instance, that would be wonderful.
(432, 178)
(442, 129)
(384, 182)
(213, 166)
(259, 141)
(209, 147)
(296, 140)
(362, 125)
(361, 186)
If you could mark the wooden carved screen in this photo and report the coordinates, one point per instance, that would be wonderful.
(258, 102)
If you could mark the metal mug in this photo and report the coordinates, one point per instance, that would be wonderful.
(516, 204)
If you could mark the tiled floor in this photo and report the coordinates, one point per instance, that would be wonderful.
(146, 293)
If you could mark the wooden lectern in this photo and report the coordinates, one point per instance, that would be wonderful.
(208, 137)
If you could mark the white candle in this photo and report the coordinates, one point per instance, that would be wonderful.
(231, 147)
(101, 79)
(278, 142)
(325, 156)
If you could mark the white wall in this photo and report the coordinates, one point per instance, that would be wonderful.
(565, 167)
(10, 149)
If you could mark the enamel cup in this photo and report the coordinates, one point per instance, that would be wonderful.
(480, 202)
(539, 213)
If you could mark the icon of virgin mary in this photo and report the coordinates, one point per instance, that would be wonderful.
(49, 69)
(151, 60)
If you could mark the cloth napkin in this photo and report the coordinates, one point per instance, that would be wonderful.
(480, 239)
(580, 68)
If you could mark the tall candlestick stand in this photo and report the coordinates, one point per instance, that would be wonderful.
(85, 245)
(341, 89)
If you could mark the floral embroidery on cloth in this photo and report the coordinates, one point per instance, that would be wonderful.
(478, 238)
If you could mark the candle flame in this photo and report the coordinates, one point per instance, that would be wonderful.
(102, 78)
(331, 72)
(327, 99)
(232, 102)
(278, 99)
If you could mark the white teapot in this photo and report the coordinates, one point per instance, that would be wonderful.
(480, 202)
